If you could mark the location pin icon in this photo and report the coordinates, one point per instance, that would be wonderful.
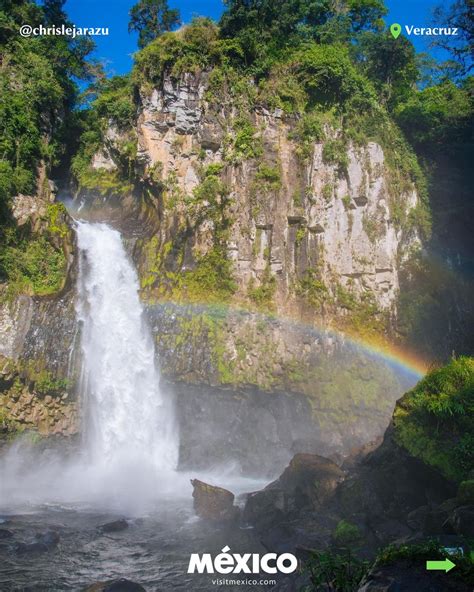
(395, 29)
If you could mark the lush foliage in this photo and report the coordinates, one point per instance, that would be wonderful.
(151, 18)
(435, 420)
(337, 572)
(37, 92)
(346, 533)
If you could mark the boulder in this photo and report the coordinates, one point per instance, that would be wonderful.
(213, 503)
(115, 526)
(5, 533)
(462, 521)
(265, 508)
(43, 542)
(307, 483)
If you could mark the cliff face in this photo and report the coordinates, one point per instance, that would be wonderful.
(314, 230)
(37, 332)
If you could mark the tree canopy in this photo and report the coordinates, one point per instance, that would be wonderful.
(152, 18)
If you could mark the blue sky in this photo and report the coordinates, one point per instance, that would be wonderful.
(116, 50)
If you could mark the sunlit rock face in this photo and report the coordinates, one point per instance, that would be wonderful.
(313, 216)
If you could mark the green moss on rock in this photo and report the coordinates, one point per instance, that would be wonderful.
(435, 420)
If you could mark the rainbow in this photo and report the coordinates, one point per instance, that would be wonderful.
(396, 356)
(399, 358)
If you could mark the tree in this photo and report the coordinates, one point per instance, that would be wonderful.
(460, 15)
(152, 18)
(390, 64)
(288, 17)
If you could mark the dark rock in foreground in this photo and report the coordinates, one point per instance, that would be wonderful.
(5, 533)
(122, 585)
(43, 542)
(115, 526)
(305, 485)
(214, 503)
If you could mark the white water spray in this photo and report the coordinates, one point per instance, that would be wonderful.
(128, 421)
(130, 439)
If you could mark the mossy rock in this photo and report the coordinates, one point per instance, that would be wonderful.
(466, 492)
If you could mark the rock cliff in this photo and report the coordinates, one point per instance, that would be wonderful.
(305, 225)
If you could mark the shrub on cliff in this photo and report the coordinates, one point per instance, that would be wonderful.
(435, 420)
(192, 48)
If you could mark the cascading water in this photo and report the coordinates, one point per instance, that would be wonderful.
(129, 449)
(128, 421)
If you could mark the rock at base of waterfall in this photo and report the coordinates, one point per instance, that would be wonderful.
(122, 585)
(43, 542)
(115, 526)
(306, 483)
(214, 503)
(5, 533)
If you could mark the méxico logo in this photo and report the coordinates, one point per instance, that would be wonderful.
(248, 563)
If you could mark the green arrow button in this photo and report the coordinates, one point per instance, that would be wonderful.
(445, 565)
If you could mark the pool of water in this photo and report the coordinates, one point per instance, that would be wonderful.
(154, 550)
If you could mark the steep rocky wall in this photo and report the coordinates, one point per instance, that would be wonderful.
(348, 392)
(37, 374)
(314, 231)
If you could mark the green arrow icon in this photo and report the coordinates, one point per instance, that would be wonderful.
(395, 29)
(445, 565)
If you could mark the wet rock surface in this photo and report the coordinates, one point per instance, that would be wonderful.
(214, 503)
(252, 429)
(307, 483)
(114, 526)
(42, 543)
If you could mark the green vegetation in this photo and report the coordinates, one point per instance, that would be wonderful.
(466, 491)
(151, 18)
(434, 421)
(312, 289)
(335, 152)
(47, 384)
(210, 278)
(32, 265)
(262, 295)
(9, 428)
(38, 92)
(192, 48)
(269, 175)
(346, 533)
(300, 235)
(341, 572)
(246, 143)
(210, 281)
(114, 101)
(327, 192)
(364, 316)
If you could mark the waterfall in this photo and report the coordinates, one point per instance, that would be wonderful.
(129, 449)
(128, 422)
